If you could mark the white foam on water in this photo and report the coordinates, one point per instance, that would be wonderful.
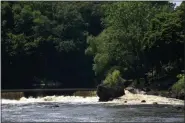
(129, 97)
(150, 99)
(64, 99)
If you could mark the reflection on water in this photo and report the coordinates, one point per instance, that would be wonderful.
(65, 112)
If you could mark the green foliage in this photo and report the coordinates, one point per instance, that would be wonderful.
(179, 86)
(123, 39)
(113, 79)
(137, 38)
(46, 39)
(50, 39)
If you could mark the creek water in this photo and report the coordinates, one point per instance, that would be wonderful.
(80, 109)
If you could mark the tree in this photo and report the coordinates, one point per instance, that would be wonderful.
(125, 40)
(46, 40)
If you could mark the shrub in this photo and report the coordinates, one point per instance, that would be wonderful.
(179, 86)
(113, 78)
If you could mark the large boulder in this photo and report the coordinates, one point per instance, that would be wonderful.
(112, 87)
(106, 93)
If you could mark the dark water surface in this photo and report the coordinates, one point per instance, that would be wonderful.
(65, 112)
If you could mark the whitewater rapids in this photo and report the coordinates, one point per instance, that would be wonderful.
(127, 99)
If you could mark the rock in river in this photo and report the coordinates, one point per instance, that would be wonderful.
(107, 93)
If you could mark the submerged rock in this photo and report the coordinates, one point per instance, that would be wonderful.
(179, 108)
(143, 101)
(155, 103)
(55, 105)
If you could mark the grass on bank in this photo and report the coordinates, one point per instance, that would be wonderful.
(85, 93)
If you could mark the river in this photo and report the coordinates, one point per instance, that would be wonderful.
(79, 109)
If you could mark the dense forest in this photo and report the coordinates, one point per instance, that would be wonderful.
(78, 44)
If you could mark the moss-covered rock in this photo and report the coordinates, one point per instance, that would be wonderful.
(106, 93)
(112, 87)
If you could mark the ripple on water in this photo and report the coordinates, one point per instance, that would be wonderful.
(89, 112)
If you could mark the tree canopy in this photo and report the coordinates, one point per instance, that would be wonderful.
(80, 44)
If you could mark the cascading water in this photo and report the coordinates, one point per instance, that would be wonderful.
(129, 97)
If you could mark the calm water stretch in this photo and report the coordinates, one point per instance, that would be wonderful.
(79, 109)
